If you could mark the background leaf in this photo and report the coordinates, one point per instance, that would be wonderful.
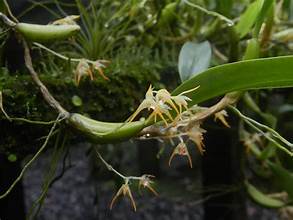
(248, 18)
(266, 8)
(76, 100)
(284, 178)
(291, 11)
(261, 198)
(225, 7)
(193, 59)
(2, 7)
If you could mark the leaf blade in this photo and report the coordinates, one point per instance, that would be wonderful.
(193, 59)
(275, 72)
(263, 199)
(248, 18)
(284, 178)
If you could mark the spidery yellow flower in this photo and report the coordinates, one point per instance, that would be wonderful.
(221, 115)
(124, 191)
(161, 104)
(151, 103)
(87, 68)
(195, 134)
(146, 182)
(182, 150)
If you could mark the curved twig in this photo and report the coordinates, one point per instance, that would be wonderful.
(45, 92)
(6, 20)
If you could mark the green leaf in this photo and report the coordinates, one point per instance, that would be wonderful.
(168, 14)
(266, 8)
(291, 11)
(268, 152)
(2, 7)
(248, 18)
(12, 157)
(275, 72)
(284, 178)
(252, 50)
(285, 108)
(263, 199)
(225, 7)
(193, 59)
(269, 118)
(76, 100)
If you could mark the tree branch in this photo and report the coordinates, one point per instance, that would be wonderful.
(6, 20)
(45, 92)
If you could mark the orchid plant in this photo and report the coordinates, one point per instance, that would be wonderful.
(176, 116)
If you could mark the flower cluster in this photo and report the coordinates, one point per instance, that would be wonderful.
(195, 134)
(221, 116)
(87, 68)
(162, 103)
(181, 150)
(144, 181)
(124, 191)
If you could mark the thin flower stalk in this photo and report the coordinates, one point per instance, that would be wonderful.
(144, 181)
(2, 108)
